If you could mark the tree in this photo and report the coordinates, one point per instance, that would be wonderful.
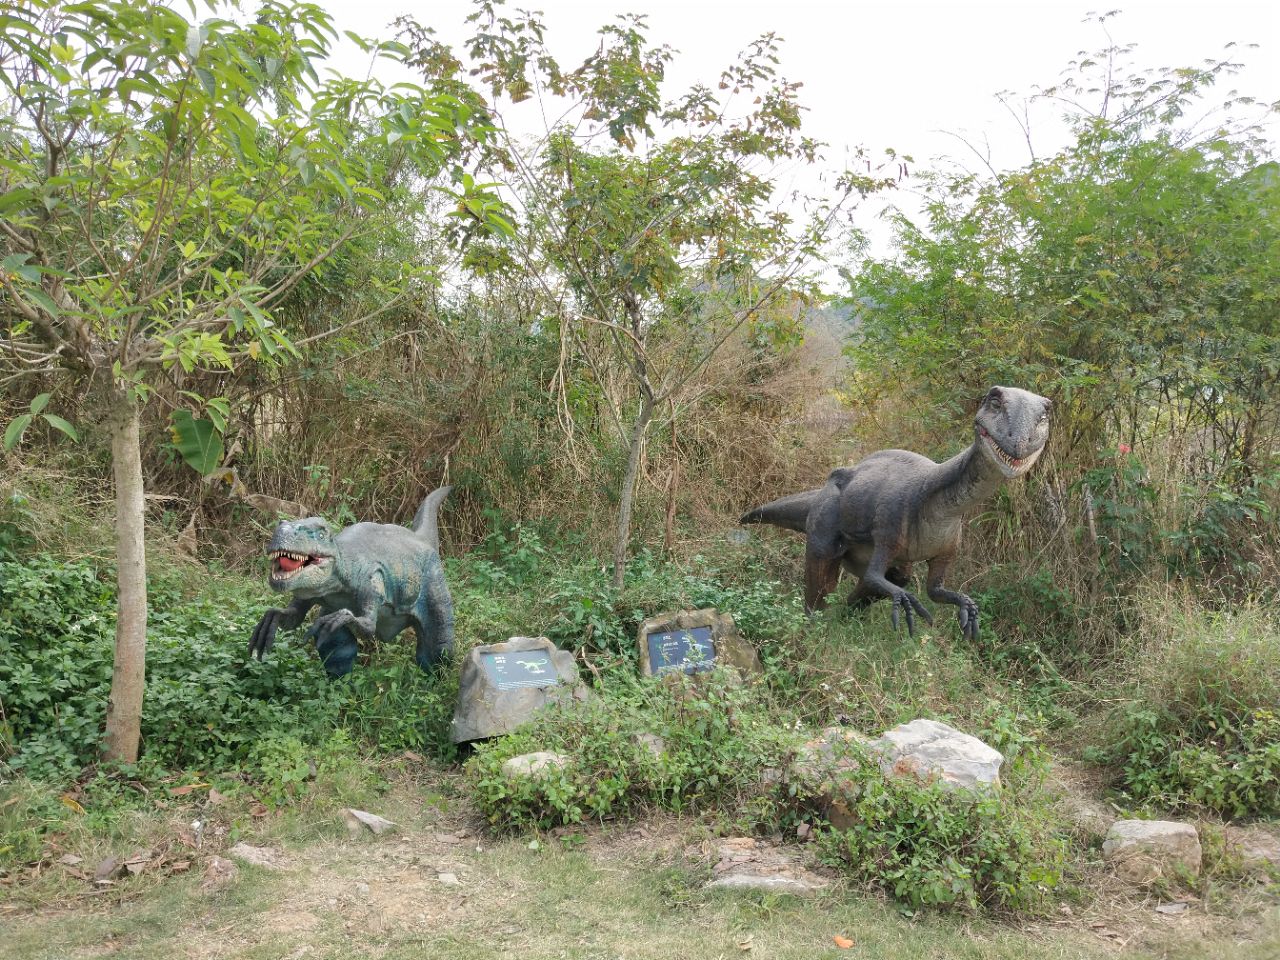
(664, 241)
(1132, 276)
(164, 186)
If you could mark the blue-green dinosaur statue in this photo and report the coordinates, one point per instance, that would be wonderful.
(370, 580)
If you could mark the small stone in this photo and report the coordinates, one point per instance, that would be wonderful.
(449, 879)
(534, 765)
(1172, 909)
(356, 819)
(218, 873)
(656, 746)
(927, 748)
(1143, 851)
(266, 857)
(362, 889)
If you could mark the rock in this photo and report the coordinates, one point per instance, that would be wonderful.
(218, 873)
(499, 690)
(1257, 847)
(533, 764)
(266, 857)
(1143, 851)
(665, 648)
(449, 879)
(927, 748)
(656, 746)
(823, 764)
(769, 884)
(355, 819)
(750, 864)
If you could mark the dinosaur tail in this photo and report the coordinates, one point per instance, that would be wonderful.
(424, 521)
(790, 512)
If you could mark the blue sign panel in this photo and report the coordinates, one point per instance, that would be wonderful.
(524, 668)
(687, 651)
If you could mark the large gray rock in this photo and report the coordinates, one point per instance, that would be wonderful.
(1143, 851)
(500, 689)
(927, 749)
(664, 648)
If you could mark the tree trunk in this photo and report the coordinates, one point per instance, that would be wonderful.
(124, 712)
(629, 488)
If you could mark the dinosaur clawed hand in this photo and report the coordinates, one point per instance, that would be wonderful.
(968, 610)
(264, 634)
(910, 606)
(330, 623)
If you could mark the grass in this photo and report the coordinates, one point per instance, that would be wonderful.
(613, 895)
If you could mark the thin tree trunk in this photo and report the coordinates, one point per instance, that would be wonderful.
(124, 712)
(629, 488)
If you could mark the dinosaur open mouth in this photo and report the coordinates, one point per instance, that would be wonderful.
(286, 563)
(1012, 462)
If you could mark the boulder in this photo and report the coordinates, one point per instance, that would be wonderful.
(821, 765)
(504, 684)
(927, 748)
(690, 641)
(1143, 851)
(533, 764)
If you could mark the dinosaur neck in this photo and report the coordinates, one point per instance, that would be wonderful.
(966, 481)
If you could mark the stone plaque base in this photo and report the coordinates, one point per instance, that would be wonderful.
(504, 684)
(678, 643)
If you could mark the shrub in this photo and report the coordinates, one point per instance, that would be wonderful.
(930, 846)
(717, 739)
(1202, 730)
(207, 707)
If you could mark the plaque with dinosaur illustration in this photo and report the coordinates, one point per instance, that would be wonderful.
(525, 668)
(687, 651)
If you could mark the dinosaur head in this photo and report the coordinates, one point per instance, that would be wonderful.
(301, 553)
(1012, 427)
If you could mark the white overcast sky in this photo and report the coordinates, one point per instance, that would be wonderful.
(895, 75)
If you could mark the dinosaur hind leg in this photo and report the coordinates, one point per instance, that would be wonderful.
(433, 623)
(338, 651)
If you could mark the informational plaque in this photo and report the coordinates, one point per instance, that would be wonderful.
(526, 668)
(686, 651)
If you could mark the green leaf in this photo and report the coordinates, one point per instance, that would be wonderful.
(40, 402)
(198, 441)
(15, 431)
(58, 423)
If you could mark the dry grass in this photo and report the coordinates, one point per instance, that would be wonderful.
(604, 893)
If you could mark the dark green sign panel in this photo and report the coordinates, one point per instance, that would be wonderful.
(687, 651)
(524, 668)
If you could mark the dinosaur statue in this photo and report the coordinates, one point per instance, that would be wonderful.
(895, 507)
(372, 579)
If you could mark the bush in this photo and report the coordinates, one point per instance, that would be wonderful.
(717, 739)
(930, 846)
(1201, 731)
(207, 707)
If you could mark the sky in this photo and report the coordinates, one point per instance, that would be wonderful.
(907, 75)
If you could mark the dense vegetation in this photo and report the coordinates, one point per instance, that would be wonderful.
(610, 341)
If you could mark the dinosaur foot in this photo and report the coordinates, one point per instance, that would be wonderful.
(968, 610)
(909, 606)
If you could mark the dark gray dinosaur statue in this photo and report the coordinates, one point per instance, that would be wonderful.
(895, 508)
(372, 579)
